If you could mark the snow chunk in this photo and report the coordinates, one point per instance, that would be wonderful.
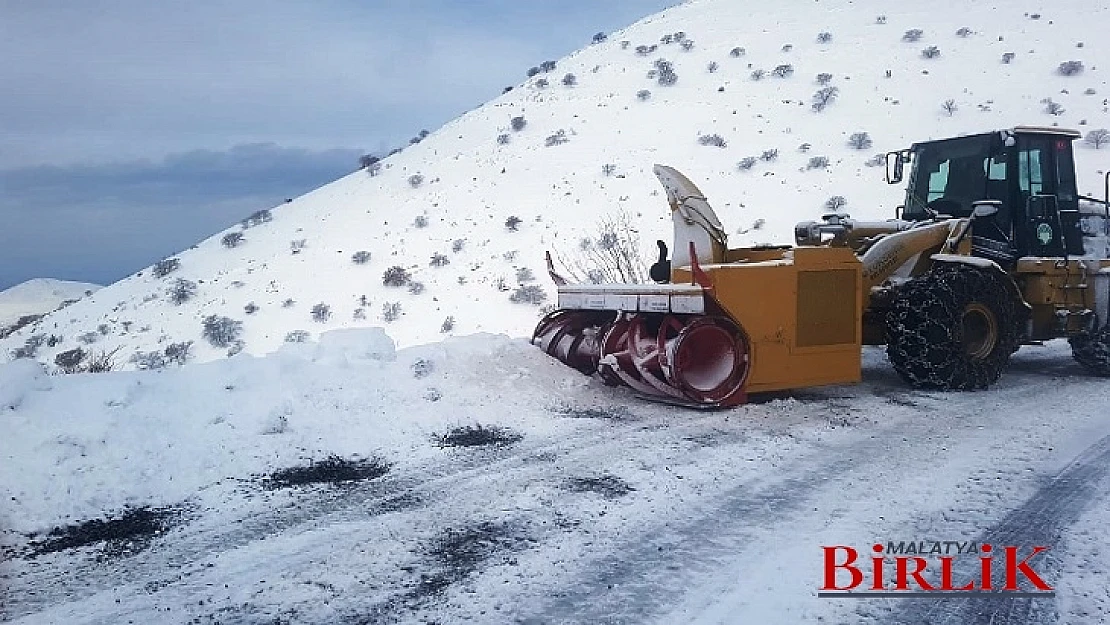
(342, 347)
(19, 377)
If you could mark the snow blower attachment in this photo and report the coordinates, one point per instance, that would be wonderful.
(991, 250)
(728, 323)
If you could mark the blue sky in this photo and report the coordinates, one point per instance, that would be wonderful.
(130, 129)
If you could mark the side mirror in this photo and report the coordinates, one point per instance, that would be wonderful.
(986, 208)
(895, 162)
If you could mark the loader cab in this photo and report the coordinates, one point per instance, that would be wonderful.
(1026, 172)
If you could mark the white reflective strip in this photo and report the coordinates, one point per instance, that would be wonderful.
(594, 302)
(655, 303)
(614, 301)
(691, 304)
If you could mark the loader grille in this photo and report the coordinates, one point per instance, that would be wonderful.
(826, 307)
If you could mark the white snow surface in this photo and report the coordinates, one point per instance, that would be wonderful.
(39, 296)
(472, 184)
(597, 507)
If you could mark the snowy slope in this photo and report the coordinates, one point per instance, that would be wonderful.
(472, 182)
(39, 296)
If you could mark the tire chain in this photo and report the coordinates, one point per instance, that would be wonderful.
(924, 326)
(1093, 351)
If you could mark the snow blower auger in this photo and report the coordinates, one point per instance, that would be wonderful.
(994, 248)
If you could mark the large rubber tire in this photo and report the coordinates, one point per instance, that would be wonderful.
(1093, 351)
(953, 328)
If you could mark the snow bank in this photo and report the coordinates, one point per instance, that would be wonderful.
(75, 447)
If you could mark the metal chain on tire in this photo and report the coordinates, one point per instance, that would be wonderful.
(924, 329)
(1093, 351)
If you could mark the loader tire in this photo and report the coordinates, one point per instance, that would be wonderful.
(953, 328)
(1093, 351)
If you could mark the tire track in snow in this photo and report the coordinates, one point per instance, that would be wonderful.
(638, 579)
(1041, 520)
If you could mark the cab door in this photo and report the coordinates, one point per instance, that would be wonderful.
(1042, 233)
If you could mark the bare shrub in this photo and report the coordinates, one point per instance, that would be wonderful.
(824, 97)
(366, 160)
(232, 239)
(512, 223)
(859, 141)
(783, 71)
(457, 245)
(570, 80)
(374, 169)
(518, 123)
(1098, 138)
(964, 32)
(950, 107)
(643, 95)
(877, 160)
(289, 303)
(758, 74)
(439, 260)
(391, 311)
(836, 202)
(178, 353)
(666, 75)
(421, 221)
(712, 67)
(599, 37)
(746, 163)
(70, 361)
(737, 52)
(687, 45)
(1070, 68)
(360, 257)
(931, 52)
(824, 37)
(714, 140)
(824, 78)
(528, 294)
(769, 155)
(321, 313)
(608, 169)
(181, 291)
(913, 35)
(416, 180)
(221, 331)
(1052, 108)
(296, 246)
(447, 325)
(165, 267)
(503, 139)
(296, 336)
(542, 83)
(396, 276)
(1008, 57)
(524, 275)
(818, 162)
(416, 288)
(559, 138)
(613, 255)
(250, 308)
(257, 218)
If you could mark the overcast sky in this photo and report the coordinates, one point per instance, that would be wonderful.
(129, 129)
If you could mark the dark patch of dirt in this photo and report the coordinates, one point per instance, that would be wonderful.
(122, 535)
(608, 486)
(460, 552)
(331, 470)
(613, 413)
(478, 436)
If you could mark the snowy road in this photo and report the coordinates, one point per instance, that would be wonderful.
(633, 513)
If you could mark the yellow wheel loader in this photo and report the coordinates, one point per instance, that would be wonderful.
(990, 251)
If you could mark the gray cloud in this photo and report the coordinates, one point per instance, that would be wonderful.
(92, 88)
(98, 223)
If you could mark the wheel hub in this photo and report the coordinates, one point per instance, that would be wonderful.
(980, 331)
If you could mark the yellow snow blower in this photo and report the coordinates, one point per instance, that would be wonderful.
(988, 253)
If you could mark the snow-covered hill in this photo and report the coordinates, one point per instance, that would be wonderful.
(584, 153)
(39, 296)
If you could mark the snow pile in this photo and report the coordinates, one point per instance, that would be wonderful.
(77, 446)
